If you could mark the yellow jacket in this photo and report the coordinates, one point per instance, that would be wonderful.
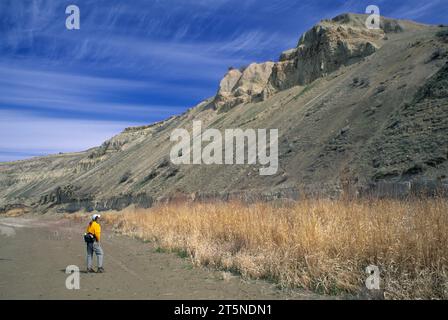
(95, 229)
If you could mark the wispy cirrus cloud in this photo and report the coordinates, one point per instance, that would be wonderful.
(40, 135)
(414, 10)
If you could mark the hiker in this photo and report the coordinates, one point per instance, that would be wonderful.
(92, 238)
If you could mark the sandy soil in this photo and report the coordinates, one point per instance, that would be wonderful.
(35, 251)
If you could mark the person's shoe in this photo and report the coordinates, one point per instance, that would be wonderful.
(90, 270)
(100, 270)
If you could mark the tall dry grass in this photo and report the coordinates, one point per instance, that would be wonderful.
(322, 245)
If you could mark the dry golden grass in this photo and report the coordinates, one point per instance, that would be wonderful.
(322, 245)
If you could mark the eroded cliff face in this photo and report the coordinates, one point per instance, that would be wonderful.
(323, 49)
(243, 87)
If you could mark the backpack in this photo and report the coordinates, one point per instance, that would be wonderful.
(89, 238)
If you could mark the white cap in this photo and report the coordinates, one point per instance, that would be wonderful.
(96, 216)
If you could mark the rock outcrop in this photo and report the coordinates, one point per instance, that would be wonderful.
(325, 48)
(243, 87)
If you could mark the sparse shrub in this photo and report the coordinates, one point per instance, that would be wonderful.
(360, 83)
(125, 177)
(164, 163)
(443, 34)
(436, 54)
(416, 44)
(380, 89)
(149, 177)
(171, 172)
(416, 168)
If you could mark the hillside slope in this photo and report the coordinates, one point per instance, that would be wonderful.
(356, 109)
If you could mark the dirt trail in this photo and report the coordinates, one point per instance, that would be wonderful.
(34, 253)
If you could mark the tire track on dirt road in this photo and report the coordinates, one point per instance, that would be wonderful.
(34, 252)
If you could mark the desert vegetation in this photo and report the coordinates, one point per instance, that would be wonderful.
(321, 245)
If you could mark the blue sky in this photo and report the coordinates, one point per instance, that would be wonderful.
(136, 62)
